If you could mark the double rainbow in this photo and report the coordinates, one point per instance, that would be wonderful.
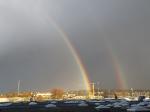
(119, 74)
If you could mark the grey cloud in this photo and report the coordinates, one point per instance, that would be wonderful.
(32, 50)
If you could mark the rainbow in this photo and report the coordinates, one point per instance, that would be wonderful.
(75, 54)
(119, 72)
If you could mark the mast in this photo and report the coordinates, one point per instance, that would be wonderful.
(18, 87)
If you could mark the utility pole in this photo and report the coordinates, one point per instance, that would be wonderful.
(18, 87)
(98, 91)
(93, 89)
(132, 92)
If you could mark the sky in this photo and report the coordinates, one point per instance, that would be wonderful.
(103, 32)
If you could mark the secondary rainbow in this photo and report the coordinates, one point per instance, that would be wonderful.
(119, 71)
(119, 74)
(74, 52)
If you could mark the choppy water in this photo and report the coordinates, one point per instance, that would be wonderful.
(69, 106)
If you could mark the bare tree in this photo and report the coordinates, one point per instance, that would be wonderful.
(57, 93)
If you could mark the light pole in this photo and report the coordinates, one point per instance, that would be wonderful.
(18, 87)
(98, 90)
(93, 89)
(132, 92)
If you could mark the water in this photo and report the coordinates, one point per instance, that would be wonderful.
(69, 106)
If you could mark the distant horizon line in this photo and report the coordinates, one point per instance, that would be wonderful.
(65, 90)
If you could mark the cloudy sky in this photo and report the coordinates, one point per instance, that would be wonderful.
(33, 51)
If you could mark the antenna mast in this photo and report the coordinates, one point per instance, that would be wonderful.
(18, 87)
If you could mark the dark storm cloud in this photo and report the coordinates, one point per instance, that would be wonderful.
(32, 50)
